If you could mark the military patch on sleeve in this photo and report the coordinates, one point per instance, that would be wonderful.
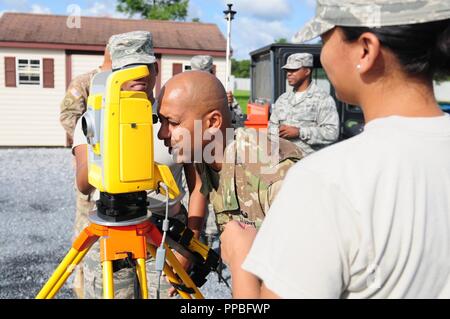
(75, 93)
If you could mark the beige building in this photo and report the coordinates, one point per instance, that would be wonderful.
(40, 54)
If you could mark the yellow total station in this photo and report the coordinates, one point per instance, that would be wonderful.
(119, 128)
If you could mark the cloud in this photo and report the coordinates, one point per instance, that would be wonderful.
(103, 9)
(15, 5)
(249, 34)
(310, 3)
(270, 10)
(24, 6)
(194, 11)
(38, 9)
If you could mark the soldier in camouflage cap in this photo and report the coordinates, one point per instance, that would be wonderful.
(306, 114)
(131, 48)
(205, 63)
(202, 63)
(299, 60)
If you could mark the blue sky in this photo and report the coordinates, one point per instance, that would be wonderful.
(257, 23)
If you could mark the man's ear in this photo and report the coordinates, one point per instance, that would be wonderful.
(308, 72)
(369, 48)
(214, 120)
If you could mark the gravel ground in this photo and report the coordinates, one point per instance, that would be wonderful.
(37, 208)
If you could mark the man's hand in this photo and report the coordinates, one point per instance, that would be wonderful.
(230, 98)
(289, 132)
(186, 264)
(236, 241)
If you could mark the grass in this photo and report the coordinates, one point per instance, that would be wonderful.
(242, 97)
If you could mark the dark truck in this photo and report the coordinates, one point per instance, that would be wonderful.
(268, 81)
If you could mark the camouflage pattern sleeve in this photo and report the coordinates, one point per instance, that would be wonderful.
(327, 129)
(237, 117)
(72, 107)
(274, 121)
(267, 196)
(75, 101)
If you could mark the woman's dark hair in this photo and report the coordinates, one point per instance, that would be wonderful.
(422, 49)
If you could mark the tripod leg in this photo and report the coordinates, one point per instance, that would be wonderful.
(173, 261)
(68, 272)
(169, 273)
(142, 275)
(108, 280)
(168, 270)
(79, 249)
(58, 273)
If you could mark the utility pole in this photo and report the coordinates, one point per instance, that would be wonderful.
(229, 16)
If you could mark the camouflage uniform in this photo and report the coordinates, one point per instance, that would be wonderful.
(249, 179)
(315, 114)
(205, 63)
(74, 103)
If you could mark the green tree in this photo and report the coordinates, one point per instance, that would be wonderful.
(240, 69)
(155, 9)
(281, 41)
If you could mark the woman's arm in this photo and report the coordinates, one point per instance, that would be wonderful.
(236, 241)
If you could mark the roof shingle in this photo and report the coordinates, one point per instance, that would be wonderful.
(52, 29)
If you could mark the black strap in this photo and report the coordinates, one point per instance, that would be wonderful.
(183, 288)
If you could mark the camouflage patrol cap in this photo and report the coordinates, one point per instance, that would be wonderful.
(373, 13)
(131, 48)
(202, 63)
(298, 60)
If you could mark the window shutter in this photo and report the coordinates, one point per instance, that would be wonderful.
(177, 68)
(10, 72)
(49, 73)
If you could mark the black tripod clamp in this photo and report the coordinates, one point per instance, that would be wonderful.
(181, 238)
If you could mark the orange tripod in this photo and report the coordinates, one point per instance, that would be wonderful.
(117, 242)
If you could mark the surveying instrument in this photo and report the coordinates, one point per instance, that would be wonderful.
(119, 129)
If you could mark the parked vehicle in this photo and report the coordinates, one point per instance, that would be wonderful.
(268, 81)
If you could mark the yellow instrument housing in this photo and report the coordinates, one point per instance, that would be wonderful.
(125, 144)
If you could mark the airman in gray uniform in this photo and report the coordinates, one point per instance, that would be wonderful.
(205, 63)
(306, 114)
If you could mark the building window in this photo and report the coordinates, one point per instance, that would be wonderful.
(187, 68)
(29, 72)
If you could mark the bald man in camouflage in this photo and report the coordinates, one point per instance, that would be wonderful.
(244, 170)
(205, 63)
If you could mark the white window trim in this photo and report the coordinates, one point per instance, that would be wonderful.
(41, 61)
